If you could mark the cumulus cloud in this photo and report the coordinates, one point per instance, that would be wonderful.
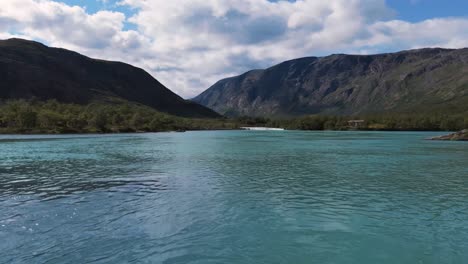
(190, 44)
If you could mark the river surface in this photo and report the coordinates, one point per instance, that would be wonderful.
(234, 197)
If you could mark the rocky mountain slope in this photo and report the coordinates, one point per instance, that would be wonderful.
(31, 70)
(421, 80)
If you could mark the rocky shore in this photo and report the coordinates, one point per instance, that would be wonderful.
(461, 136)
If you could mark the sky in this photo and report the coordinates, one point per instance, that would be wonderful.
(188, 45)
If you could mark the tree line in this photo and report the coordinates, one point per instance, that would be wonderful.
(23, 116)
(387, 122)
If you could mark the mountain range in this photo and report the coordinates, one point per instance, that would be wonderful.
(30, 69)
(422, 80)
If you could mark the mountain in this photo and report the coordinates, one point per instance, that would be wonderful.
(420, 80)
(32, 70)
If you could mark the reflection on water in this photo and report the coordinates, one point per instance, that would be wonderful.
(233, 197)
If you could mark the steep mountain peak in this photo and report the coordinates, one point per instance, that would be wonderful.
(29, 69)
(423, 79)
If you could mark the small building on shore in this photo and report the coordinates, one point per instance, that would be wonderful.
(356, 124)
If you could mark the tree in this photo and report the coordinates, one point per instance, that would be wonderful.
(27, 118)
(99, 121)
(137, 121)
(156, 124)
(49, 119)
(451, 124)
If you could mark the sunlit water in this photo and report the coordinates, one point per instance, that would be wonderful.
(234, 197)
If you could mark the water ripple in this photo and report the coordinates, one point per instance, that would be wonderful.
(233, 197)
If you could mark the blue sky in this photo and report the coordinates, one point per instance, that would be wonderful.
(93, 6)
(418, 10)
(190, 44)
(408, 10)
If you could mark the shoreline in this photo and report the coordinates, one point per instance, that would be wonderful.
(228, 129)
(455, 136)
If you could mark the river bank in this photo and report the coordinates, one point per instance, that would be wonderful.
(458, 136)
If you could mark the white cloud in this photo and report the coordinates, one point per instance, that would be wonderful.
(190, 44)
(58, 23)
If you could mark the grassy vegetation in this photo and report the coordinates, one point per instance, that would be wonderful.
(392, 122)
(20, 116)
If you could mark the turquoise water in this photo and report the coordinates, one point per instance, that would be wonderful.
(234, 197)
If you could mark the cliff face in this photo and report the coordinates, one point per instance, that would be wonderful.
(31, 70)
(415, 80)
